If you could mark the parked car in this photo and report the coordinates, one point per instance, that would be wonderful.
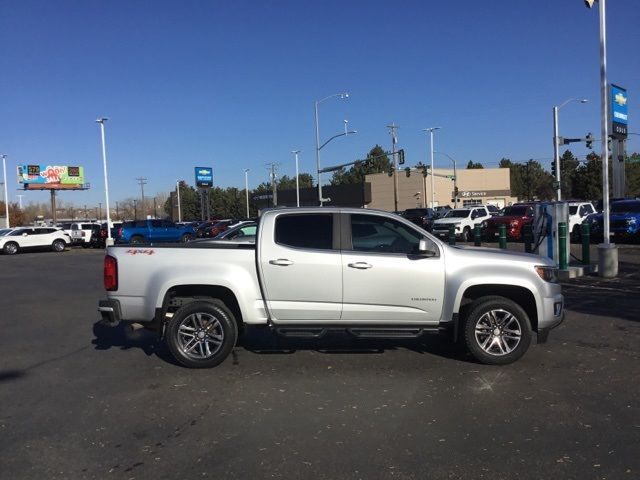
(201, 227)
(81, 233)
(464, 221)
(219, 227)
(624, 221)
(493, 210)
(423, 217)
(578, 213)
(442, 210)
(147, 231)
(377, 276)
(514, 218)
(31, 238)
(99, 234)
(244, 231)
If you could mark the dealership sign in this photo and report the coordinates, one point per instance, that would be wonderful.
(51, 177)
(619, 111)
(204, 176)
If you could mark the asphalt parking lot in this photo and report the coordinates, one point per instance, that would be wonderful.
(83, 401)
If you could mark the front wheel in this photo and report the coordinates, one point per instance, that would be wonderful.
(466, 234)
(187, 237)
(201, 334)
(576, 236)
(58, 245)
(497, 330)
(10, 248)
(137, 239)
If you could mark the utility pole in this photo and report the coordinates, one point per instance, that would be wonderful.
(394, 139)
(142, 181)
(178, 195)
(100, 215)
(20, 200)
(135, 209)
(246, 188)
(274, 186)
(6, 194)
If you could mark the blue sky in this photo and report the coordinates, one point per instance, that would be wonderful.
(232, 84)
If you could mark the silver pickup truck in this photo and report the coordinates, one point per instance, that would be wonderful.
(369, 273)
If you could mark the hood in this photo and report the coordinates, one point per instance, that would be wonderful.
(504, 219)
(493, 255)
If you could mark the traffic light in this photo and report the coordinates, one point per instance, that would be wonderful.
(407, 171)
(589, 140)
(455, 191)
(554, 170)
(401, 157)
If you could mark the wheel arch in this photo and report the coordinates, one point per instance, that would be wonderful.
(519, 294)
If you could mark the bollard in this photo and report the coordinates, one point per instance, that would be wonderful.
(527, 236)
(562, 245)
(452, 235)
(503, 237)
(586, 241)
(477, 235)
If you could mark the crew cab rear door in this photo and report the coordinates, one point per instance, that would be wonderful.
(301, 268)
(385, 280)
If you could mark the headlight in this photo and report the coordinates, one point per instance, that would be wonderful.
(548, 274)
(514, 223)
(484, 224)
(631, 221)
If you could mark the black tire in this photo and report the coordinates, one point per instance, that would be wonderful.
(511, 323)
(10, 248)
(212, 324)
(137, 239)
(187, 237)
(576, 235)
(465, 235)
(58, 245)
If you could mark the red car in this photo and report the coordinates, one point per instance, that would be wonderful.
(514, 217)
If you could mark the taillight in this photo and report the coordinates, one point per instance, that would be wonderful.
(120, 232)
(110, 273)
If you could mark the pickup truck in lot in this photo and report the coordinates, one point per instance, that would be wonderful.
(312, 270)
(145, 231)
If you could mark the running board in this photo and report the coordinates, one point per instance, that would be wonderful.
(308, 331)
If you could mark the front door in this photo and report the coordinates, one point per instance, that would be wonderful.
(301, 267)
(384, 278)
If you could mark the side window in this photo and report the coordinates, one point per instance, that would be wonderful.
(75, 227)
(167, 224)
(583, 210)
(140, 224)
(371, 233)
(313, 231)
(156, 224)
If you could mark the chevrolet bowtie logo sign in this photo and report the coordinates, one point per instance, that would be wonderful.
(620, 99)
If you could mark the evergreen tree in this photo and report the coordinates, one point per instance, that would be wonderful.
(377, 161)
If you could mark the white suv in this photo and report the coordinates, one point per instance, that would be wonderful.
(24, 238)
(578, 212)
(464, 220)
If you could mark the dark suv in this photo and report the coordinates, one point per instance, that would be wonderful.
(423, 217)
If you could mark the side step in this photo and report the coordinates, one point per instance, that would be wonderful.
(359, 331)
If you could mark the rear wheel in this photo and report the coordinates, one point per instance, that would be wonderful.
(58, 245)
(201, 334)
(466, 234)
(497, 330)
(575, 234)
(137, 239)
(10, 248)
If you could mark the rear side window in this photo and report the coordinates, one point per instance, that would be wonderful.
(87, 226)
(313, 231)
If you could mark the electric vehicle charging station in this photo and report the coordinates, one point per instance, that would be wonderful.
(547, 216)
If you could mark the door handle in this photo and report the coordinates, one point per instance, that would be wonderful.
(360, 265)
(283, 262)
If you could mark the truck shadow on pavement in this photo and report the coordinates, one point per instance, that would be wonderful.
(262, 341)
(616, 297)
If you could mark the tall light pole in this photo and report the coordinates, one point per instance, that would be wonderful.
(433, 192)
(394, 139)
(556, 144)
(318, 147)
(296, 152)
(246, 188)
(101, 120)
(178, 195)
(607, 252)
(6, 190)
(455, 179)
(142, 181)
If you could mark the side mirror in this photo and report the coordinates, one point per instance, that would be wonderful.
(24, 234)
(423, 249)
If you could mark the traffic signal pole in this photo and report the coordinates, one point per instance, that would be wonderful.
(556, 152)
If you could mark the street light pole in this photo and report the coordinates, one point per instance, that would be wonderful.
(178, 195)
(246, 188)
(455, 179)
(318, 147)
(101, 120)
(6, 191)
(296, 152)
(394, 139)
(433, 193)
(556, 144)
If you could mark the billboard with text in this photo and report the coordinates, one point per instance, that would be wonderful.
(51, 177)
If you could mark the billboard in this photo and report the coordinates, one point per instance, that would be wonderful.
(619, 111)
(204, 176)
(51, 177)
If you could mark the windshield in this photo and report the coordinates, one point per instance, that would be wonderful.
(624, 207)
(4, 231)
(515, 211)
(457, 214)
